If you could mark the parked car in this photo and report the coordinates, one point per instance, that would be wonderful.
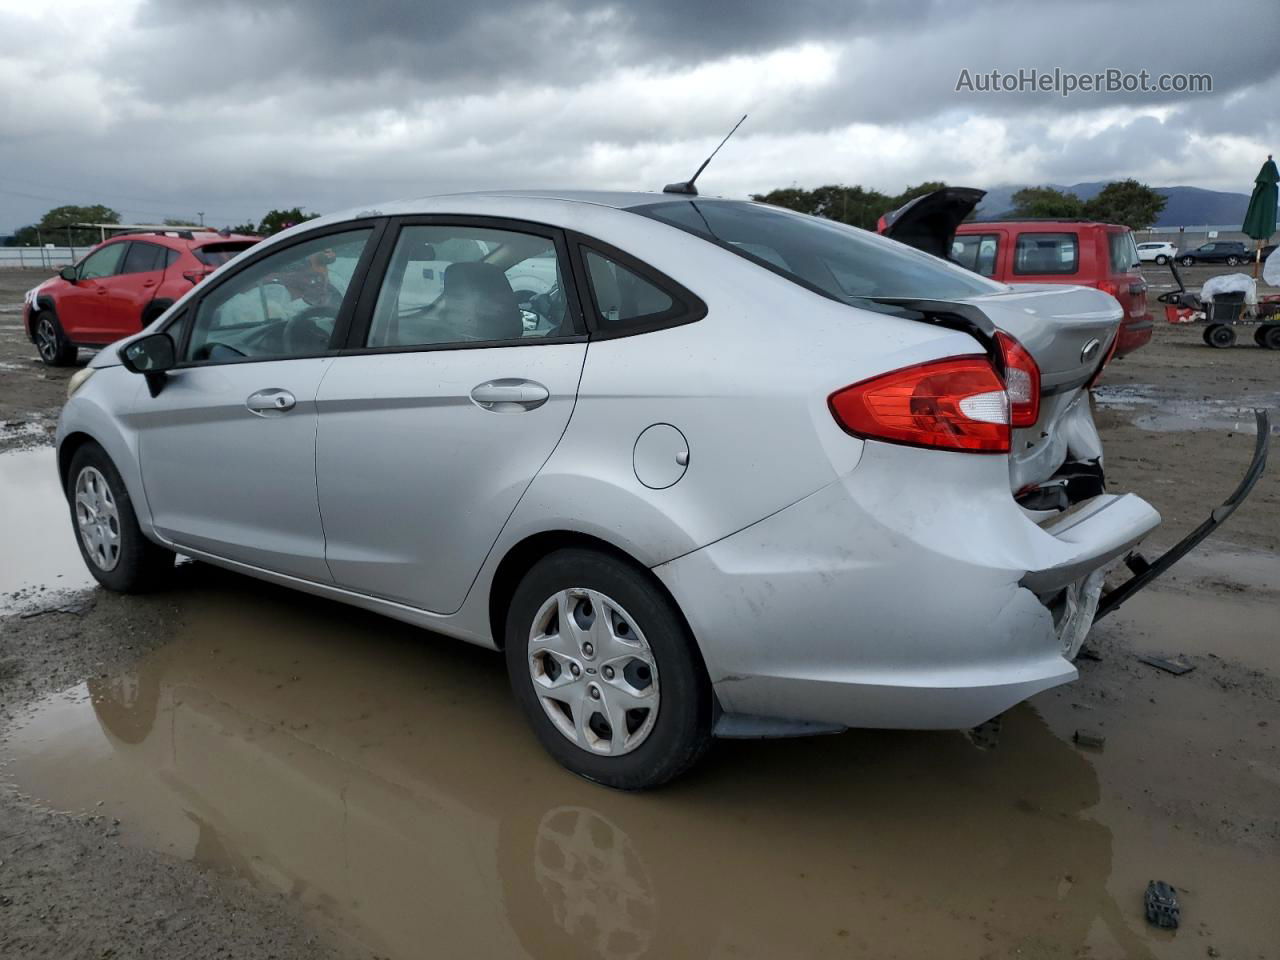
(119, 287)
(1099, 255)
(1158, 251)
(740, 472)
(1230, 252)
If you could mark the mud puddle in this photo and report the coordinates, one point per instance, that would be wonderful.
(38, 552)
(1166, 408)
(381, 777)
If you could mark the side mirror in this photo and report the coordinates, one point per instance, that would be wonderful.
(150, 354)
(68, 274)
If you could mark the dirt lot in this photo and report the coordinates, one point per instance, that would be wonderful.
(229, 769)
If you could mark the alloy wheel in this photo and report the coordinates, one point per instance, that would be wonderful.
(593, 672)
(97, 518)
(47, 339)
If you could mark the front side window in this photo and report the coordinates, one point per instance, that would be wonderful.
(842, 262)
(103, 262)
(461, 284)
(1041, 253)
(143, 258)
(976, 252)
(623, 296)
(285, 305)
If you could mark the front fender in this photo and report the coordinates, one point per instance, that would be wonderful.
(88, 415)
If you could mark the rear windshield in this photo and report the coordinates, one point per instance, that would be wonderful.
(840, 261)
(1124, 252)
(216, 254)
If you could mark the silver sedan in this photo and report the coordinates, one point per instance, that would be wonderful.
(699, 467)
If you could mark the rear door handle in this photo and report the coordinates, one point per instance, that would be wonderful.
(509, 395)
(271, 403)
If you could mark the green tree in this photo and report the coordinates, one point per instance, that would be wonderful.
(53, 226)
(249, 228)
(853, 205)
(175, 222)
(277, 220)
(1129, 202)
(1046, 202)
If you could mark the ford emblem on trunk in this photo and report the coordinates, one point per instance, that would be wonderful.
(1090, 350)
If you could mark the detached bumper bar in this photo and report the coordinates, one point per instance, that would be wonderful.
(1145, 571)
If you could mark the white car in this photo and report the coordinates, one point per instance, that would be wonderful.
(1160, 252)
(700, 467)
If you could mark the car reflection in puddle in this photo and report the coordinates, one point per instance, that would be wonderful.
(383, 778)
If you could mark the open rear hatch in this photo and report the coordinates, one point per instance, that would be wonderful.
(929, 222)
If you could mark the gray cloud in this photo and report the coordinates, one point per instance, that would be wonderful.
(233, 106)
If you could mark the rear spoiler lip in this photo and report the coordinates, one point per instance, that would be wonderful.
(1144, 571)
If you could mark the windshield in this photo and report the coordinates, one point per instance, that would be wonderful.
(840, 261)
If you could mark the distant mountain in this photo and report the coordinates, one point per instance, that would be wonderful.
(1187, 206)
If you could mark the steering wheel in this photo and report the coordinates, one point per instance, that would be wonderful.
(304, 334)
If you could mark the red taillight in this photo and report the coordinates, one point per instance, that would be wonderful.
(1106, 286)
(195, 276)
(1021, 381)
(953, 404)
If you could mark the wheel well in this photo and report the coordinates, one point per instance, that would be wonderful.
(521, 558)
(67, 450)
(153, 309)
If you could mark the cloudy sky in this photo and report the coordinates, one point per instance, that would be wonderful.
(165, 108)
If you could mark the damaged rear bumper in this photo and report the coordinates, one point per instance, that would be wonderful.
(911, 593)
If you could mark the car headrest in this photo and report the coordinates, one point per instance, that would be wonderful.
(478, 293)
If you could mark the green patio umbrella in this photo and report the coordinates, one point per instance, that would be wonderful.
(1260, 218)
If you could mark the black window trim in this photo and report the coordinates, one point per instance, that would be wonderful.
(362, 315)
(1013, 267)
(342, 324)
(687, 307)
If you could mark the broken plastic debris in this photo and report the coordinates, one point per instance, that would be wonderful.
(1175, 665)
(1162, 905)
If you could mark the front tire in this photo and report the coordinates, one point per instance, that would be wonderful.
(606, 671)
(112, 544)
(1233, 261)
(51, 343)
(1268, 336)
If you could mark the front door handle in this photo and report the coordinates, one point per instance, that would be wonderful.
(271, 403)
(509, 395)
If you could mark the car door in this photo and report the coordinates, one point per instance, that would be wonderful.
(132, 288)
(227, 446)
(455, 390)
(83, 306)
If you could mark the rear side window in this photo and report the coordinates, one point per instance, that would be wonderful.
(1123, 251)
(623, 297)
(216, 254)
(976, 252)
(1041, 253)
(143, 258)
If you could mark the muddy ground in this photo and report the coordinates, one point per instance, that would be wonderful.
(230, 769)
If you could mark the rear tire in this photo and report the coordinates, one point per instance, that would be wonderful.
(1233, 261)
(1188, 261)
(51, 343)
(581, 708)
(1220, 335)
(1268, 336)
(112, 544)
(1161, 260)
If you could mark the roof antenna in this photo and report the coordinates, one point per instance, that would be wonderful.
(687, 186)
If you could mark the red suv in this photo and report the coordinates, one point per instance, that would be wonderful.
(1101, 255)
(121, 286)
